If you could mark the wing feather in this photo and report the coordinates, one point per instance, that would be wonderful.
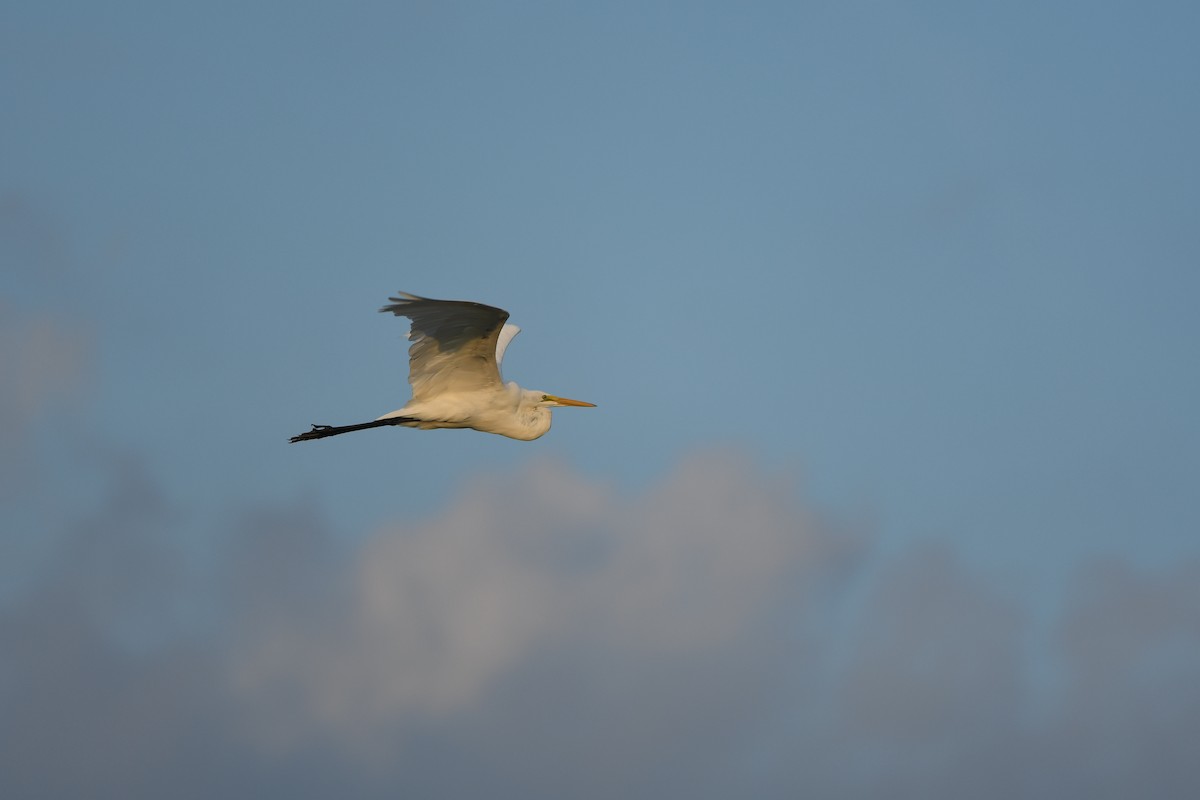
(454, 344)
(506, 335)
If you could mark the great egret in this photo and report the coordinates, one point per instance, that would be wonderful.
(454, 369)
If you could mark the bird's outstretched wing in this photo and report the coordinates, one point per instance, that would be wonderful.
(453, 344)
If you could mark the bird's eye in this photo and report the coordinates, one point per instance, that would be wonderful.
(545, 398)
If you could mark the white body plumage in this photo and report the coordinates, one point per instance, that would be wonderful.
(513, 412)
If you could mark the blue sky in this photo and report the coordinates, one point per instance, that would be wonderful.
(928, 269)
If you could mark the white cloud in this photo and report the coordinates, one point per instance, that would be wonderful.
(42, 355)
(43, 364)
(42, 358)
(435, 614)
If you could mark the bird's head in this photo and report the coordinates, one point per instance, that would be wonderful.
(532, 418)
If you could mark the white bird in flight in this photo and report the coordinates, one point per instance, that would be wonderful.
(454, 369)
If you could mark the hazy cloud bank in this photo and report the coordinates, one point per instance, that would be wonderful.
(544, 635)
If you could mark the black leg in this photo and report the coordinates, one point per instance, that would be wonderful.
(321, 431)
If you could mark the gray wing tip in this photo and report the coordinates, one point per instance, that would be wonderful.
(399, 304)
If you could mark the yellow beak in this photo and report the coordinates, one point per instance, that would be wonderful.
(563, 401)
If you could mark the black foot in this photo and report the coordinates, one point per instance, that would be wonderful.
(317, 432)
